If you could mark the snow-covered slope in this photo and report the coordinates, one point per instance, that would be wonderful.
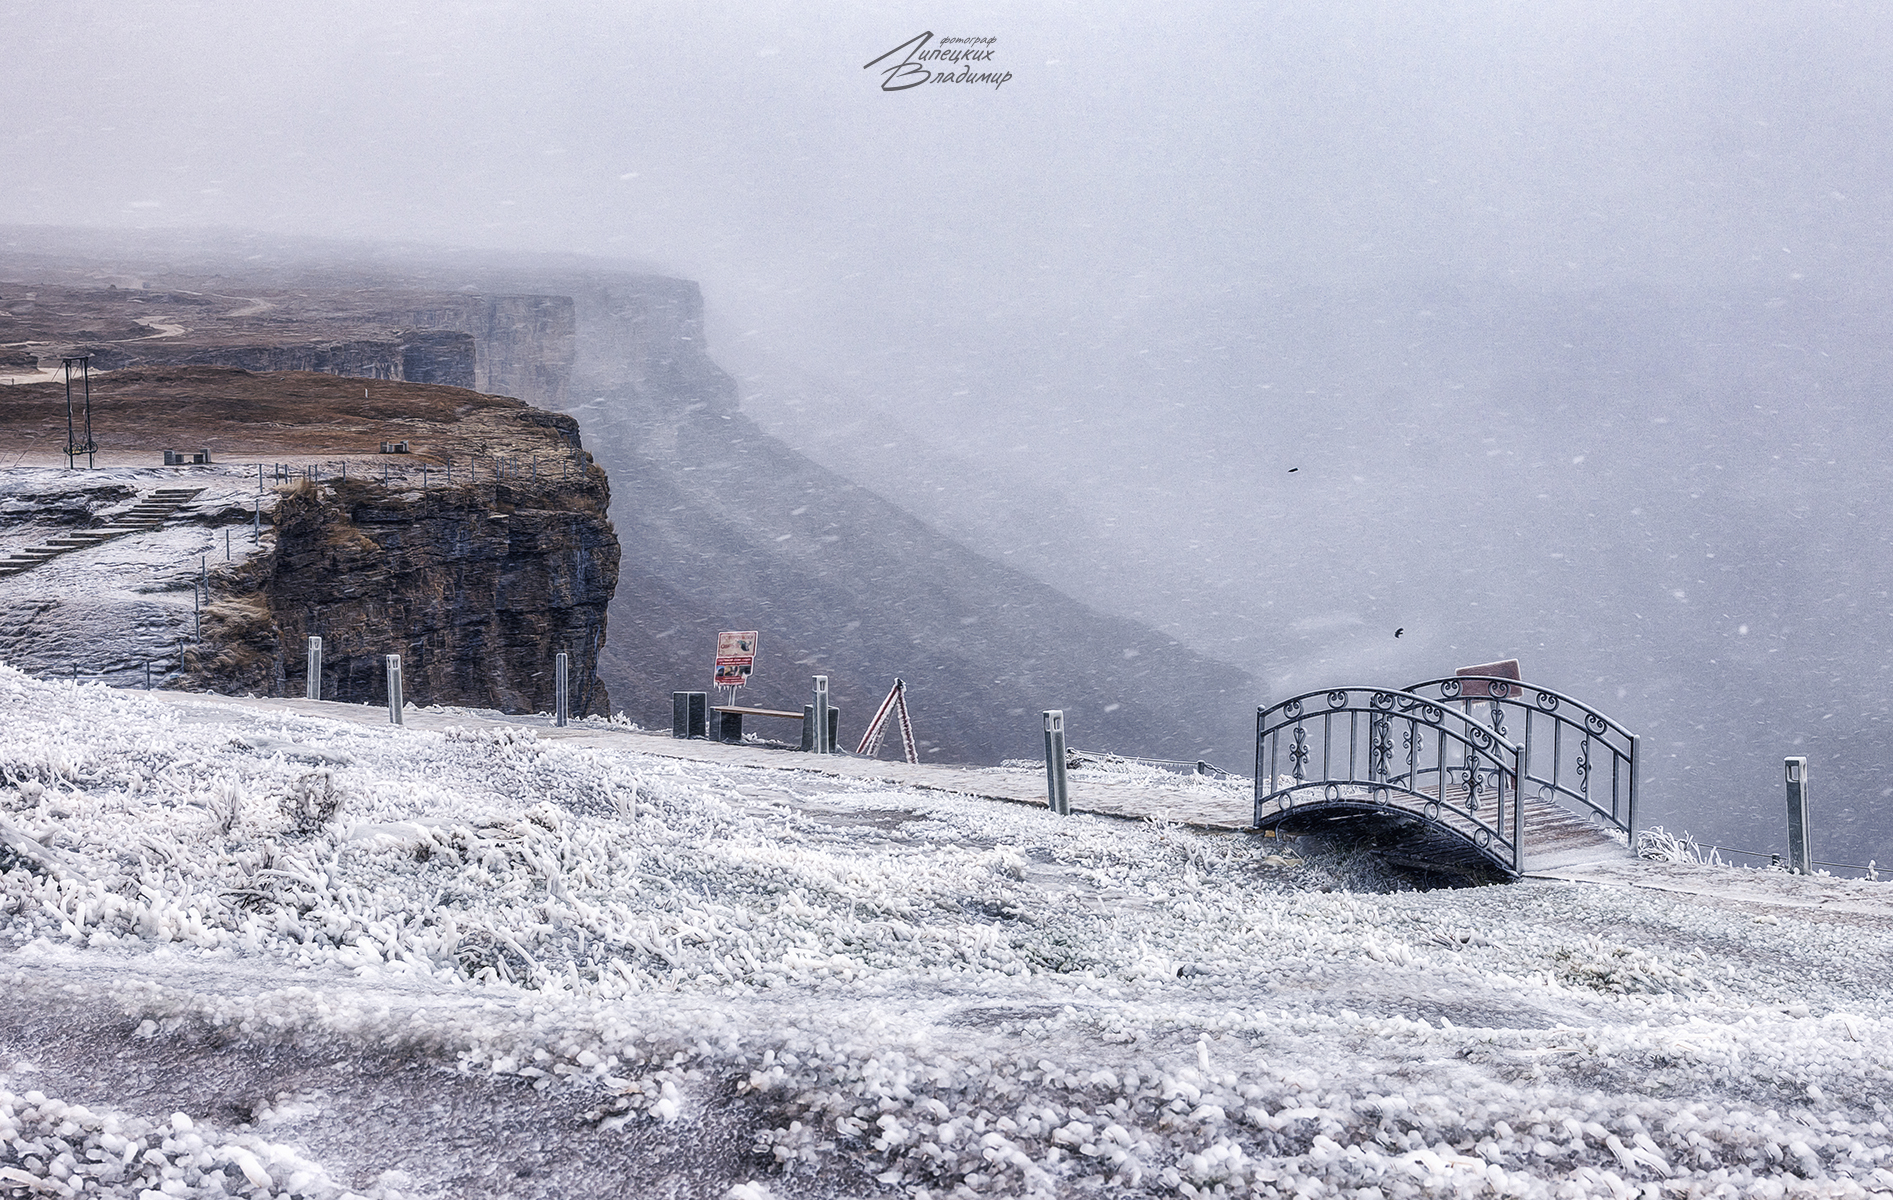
(275, 954)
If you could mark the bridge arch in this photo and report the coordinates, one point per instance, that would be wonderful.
(1385, 753)
(1572, 754)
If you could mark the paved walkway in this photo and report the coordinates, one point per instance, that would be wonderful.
(1186, 799)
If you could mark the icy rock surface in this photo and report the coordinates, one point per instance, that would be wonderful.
(278, 955)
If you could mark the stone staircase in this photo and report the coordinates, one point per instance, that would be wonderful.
(149, 513)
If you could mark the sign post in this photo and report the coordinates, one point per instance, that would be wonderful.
(735, 660)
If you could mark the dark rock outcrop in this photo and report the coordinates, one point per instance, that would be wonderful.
(414, 356)
(477, 586)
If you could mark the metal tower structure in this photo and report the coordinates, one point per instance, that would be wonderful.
(74, 447)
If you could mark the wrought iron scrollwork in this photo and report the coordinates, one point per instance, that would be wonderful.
(1298, 754)
(1548, 701)
(1379, 745)
(1337, 699)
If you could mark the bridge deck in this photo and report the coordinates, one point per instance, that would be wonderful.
(1554, 836)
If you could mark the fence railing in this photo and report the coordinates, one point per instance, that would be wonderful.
(1381, 748)
(1571, 751)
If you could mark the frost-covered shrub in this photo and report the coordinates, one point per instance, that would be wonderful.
(311, 802)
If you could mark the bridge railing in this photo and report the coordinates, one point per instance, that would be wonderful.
(1382, 747)
(1572, 752)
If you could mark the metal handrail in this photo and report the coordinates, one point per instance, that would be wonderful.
(1456, 768)
(1552, 769)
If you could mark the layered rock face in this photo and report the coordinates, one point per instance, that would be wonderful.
(477, 556)
(418, 356)
(476, 585)
(511, 345)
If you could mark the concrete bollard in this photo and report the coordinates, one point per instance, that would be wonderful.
(561, 692)
(1057, 795)
(313, 688)
(1800, 838)
(394, 690)
(808, 727)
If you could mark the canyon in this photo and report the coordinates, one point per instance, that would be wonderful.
(721, 525)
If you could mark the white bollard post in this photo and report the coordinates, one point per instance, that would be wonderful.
(394, 690)
(818, 740)
(1057, 797)
(1800, 839)
(562, 695)
(313, 689)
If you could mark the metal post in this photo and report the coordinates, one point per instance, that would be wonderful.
(256, 519)
(197, 614)
(394, 689)
(818, 740)
(147, 674)
(1057, 796)
(313, 688)
(562, 696)
(1800, 841)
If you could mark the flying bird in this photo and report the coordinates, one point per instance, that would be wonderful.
(1292, 470)
(1400, 631)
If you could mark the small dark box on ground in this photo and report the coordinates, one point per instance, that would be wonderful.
(689, 714)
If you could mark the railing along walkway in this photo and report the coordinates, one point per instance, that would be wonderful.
(1437, 766)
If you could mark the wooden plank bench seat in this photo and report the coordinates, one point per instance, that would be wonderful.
(728, 726)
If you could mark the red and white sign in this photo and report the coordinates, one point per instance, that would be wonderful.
(735, 658)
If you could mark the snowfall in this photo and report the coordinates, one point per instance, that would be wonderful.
(249, 952)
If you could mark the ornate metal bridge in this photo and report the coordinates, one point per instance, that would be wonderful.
(1462, 775)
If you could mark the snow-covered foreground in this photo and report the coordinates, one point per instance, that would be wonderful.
(274, 955)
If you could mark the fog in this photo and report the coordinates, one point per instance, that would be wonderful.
(1553, 331)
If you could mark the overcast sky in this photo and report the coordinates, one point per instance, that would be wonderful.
(1177, 146)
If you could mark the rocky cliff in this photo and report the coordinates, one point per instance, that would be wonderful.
(477, 556)
(477, 585)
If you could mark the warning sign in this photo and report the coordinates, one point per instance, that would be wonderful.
(735, 658)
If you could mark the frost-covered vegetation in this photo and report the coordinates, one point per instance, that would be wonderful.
(754, 983)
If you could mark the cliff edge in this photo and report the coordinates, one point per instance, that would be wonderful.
(478, 554)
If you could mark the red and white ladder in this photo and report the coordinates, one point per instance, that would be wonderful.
(896, 703)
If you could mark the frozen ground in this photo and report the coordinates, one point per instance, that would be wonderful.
(107, 610)
(262, 953)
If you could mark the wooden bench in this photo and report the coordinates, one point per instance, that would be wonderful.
(729, 721)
